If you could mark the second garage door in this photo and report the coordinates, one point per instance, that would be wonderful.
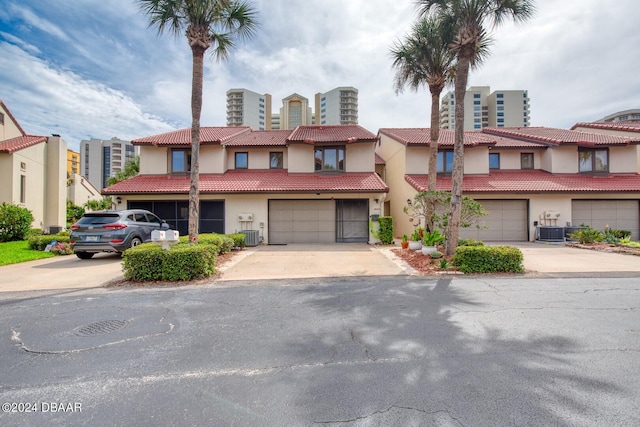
(617, 214)
(506, 222)
(302, 221)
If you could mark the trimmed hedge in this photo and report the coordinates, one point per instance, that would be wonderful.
(488, 259)
(238, 239)
(184, 261)
(386, 229)
(223, 243)
(39, 243)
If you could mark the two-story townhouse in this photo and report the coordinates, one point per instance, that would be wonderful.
(313, 184)
(33, 172)
(524, 177)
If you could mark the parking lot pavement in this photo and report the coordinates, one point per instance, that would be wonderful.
(66, 272)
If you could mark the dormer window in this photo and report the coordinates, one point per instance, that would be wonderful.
(329, 159)
(445, 162)
(180, 160)
(593, 160)
(242, 160)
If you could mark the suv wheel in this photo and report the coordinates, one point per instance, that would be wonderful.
(84, 255)
(135, 242)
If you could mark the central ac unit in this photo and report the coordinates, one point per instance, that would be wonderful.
(251, 237)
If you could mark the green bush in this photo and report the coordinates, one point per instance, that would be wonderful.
(587, 235)
(470, 242)
(34, 232)
(39, 243)
(15, 222)
(385, 232)
(221, 242)
(488, 259)
(238, 239)
(184, 261)
(74, 212)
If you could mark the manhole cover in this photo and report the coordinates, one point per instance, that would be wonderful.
(101, 327)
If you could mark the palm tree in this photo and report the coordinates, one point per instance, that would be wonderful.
(470, 18)
(424, 58)
(206, 23)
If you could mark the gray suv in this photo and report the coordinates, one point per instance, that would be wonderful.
(113, 231)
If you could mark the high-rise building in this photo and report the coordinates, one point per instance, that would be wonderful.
(247, 108)
(622, 116)
(73, 162)
(337, 107)
(102, 159)
(501, 108)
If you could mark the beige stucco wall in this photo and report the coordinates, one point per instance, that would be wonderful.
(211, 159)
(301, 158)
(9, 129)
(55, 188)
(360, 157)
(80, 191)
(258, 157)
(510, 159)
(476, 160)
(417, 159)
(6, 177)
(153, 160)
(623, 159)
(563, 159)
(34, 158)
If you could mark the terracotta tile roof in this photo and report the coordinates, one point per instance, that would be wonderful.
(208, 135)
(503, 142)
(266, 138)
(379, 160)
(619, 126)
(256, 181)
(3, 105)
(536, 181)
(554, 136)
(15, 144)
(337, 133)
(421, 136)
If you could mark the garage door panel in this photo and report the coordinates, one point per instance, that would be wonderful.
(301, 221)
(506, 221)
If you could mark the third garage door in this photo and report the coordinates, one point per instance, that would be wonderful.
(302, 221)
(506, 222)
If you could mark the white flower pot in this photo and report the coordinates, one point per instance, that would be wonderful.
(427, 250)
(415, 245)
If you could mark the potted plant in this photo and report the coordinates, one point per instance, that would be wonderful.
(405, 241)
(415, 244)
(430, 240)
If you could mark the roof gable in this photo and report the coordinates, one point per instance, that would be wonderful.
(13, 119)
(619, 126)
(446, 137)
(335, 133)
(208, 135)
(263, 138)
(555, 137)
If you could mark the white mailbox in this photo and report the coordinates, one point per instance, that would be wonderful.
(165, 238)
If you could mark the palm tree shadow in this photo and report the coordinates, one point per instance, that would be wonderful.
(407, 353)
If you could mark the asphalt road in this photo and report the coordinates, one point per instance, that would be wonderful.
(374, 351)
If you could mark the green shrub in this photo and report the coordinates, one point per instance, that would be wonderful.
(222, 242)
(15, 222)
(587, 235)
(39, 243)
(470, 242)
(488, 259)
(238, 239)
(74, 212)
(436, 254)
(385, 232)
(34, 232)
(184, 261)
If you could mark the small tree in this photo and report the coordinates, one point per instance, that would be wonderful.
(472, 211)
(74, 212)
(98, 205)
(131, 168)
(15, 222)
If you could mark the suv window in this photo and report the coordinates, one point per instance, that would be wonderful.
(140, 217)
(153, 219)
(98, 219)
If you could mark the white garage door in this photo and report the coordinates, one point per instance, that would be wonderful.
(506, 222)
(302, 221)
(617, 214)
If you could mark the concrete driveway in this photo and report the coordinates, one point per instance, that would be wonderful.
(61, 272)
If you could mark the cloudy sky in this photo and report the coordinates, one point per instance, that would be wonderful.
(93, 68)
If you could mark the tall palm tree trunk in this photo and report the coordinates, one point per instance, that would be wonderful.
(462, 74)
(433, 155)
(196, 110)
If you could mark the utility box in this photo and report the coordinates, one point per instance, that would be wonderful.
(251, 237)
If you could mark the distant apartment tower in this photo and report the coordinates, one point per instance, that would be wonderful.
(337, 107)
(73, 163)
(247, 108)
(102, 159)
(502, 108)
(622, 116)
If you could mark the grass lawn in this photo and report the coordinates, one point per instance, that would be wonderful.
(15, 252)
